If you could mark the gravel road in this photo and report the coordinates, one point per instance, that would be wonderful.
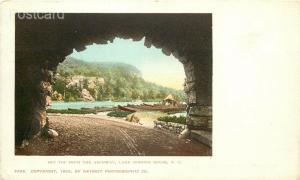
(85, 135)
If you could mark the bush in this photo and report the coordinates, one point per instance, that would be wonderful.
(67, 111)
(180, 119)
(118, 113)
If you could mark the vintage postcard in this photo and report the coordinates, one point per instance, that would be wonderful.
(113, 84)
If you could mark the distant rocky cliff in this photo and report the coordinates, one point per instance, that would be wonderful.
(81, 80)
(82, 84)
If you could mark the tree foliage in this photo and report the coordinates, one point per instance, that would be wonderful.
(122, 82)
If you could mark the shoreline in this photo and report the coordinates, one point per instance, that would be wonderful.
(105, 117)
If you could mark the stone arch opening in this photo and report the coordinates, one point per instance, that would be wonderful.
(42, 44)
(89, 55)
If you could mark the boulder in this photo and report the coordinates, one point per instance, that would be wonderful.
(184, 134)
(52, 133)
(132, 118)
(25, 143)
(145, 118)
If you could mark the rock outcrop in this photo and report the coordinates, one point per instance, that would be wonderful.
(85, 94)
(57, 96)
(79, 80)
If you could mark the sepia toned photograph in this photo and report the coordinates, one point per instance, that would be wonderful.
(113, 84)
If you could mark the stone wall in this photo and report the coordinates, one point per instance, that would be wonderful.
(42, 44)
(200, 117)
(33, 86)
(170, 126)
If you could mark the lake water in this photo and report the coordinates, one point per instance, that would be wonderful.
(91, 104)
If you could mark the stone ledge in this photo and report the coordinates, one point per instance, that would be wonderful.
(198, 121)
(201, 111)
(204, 137)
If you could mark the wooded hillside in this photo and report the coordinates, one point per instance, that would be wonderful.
(106, 81)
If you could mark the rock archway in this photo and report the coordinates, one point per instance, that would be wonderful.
(42, 44)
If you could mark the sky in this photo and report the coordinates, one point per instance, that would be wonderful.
(154, 65)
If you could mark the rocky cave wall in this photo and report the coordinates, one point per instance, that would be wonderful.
(42, 44)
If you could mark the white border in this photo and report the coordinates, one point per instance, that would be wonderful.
(255, 91)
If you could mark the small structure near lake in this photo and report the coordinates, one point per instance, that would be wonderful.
(169, 101)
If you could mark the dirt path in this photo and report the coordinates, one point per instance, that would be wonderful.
(85, 135)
